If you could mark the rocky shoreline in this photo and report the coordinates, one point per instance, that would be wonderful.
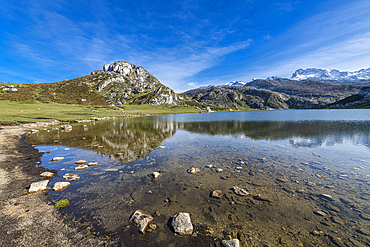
(30, 219)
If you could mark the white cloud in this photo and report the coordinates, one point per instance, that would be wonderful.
(337, 38)
(192, 84)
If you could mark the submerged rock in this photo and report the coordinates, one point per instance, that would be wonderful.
(141, 220)
(46, 174)
(326, 197)
(156, 175)
(193, 170)
(262, 198)
(240, 191)
(38, 186)
(320, 213)
(71, 176)
(181, 224)
(231, 243)
(61, 185)
(217, 194)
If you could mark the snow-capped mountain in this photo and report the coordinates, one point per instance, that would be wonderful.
(331, 74)
(235, 84)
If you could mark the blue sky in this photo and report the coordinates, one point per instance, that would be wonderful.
(185, 44)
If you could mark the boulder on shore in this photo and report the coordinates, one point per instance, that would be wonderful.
(231, 243)
(181, 223)
(141, 220)
(38, 186)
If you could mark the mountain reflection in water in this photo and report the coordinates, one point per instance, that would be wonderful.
(128, 140)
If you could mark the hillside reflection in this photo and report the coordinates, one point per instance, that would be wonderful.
(125, 140)
(128, 140)
(299, 134)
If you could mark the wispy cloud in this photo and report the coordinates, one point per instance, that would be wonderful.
(175, 66)
(336, 38)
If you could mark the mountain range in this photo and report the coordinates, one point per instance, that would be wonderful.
(122, 83)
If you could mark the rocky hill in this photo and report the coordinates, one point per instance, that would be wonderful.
(118, 83)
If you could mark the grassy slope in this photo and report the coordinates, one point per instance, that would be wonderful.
(31, 111)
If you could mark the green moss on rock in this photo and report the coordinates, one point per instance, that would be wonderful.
(61, 204)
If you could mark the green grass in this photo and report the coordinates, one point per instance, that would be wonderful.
(33, 111)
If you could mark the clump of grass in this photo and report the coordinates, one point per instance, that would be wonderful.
(61, 204)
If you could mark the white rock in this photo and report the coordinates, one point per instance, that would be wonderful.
(141, 220)
(38, 186)
(156, 175)
(65, 127)
(181, 223)
(240, 191)
(231, 243)
(81, 167)
(56, 159)
(92, 163)
(61, 185)
(78, 162)
(46, 174)
(193, 170)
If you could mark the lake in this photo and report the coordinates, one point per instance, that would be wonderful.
(306, 172)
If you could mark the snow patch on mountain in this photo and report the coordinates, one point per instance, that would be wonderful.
(235, 84)
(331, 74)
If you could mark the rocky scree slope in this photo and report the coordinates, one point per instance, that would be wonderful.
(123, 82)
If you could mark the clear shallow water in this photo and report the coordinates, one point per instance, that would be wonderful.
(290, 157)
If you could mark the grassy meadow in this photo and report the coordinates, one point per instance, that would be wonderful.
(33, 111)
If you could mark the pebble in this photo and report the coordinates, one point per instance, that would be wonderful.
(71, 176)
(156, 175)
(240, 191)
(61, 186)
(162, 147)
(217, 194)
(231, 243)
(262, 198)
(66, 149)
(337, 220)
(141, 220)
(193, 170)
(46, 174)
(92, 163)
(38, 186)
(321, 213)
(219, 170)
(327, 197)
(152, 226)
(209, 166)
(181, 224)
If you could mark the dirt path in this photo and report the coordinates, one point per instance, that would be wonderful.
(30, 219)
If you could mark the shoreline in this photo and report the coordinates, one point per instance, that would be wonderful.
(30, 219)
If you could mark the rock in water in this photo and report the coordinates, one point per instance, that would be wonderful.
(217, 194)
(79, 162)
(181, 223)
(92, 163)
(71, 177)
(141, 220)
(156, 175)
(231, 243)
(262, 198)
(240, 191)
(81, 167)
(66, 127)
(61, 186)
(193, 170)
(56, 159)
(38, 186)
(46, 174)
